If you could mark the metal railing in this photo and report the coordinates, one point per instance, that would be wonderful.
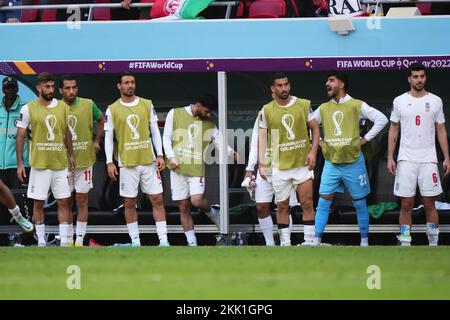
(228, 4)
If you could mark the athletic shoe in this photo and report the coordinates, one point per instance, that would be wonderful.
(405, 241)
(214, 215)
(164, 244)
(26, 225)
(92, 243)
(310, 243)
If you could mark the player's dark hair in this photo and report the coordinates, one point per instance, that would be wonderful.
(208, 100)
(340, 76)
(416, 66)
(125, 74)
(45, 77)
(276, 76)
(66, 77)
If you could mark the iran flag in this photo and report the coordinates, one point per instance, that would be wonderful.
(178, 9)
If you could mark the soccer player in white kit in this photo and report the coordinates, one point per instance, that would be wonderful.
(134, 122)
(264, 191)
(419, 115)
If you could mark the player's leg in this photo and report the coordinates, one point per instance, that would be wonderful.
(356, 180)
(7, 199)
(83, 183)
(283, 185)
(187, 222)
(405, 185)
(430, 186)
(82, 200)
(61, 191)
(432, 217)
(64, 211)
(405, 220)
(180, 193)
(196, 187)
(72, 201)
(263, 198)
(129, 184)
(38, 187)
(198, 200)
(38, 216)
(305, 191)
(329, 184)
(151, 185)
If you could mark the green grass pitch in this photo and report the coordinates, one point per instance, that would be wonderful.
(225, 273)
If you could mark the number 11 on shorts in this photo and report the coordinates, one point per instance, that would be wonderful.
(87, 175)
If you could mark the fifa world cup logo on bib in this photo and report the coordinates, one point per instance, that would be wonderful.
(50, 123)
(338, 117)
(193, 131)
(133, 123)
(72, 123)
(288, 122)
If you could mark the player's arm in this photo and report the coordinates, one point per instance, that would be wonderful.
(22, 126)
(20, 140)
(316, 116)
(98, 116)
(443, 142)
(69, 147)
(109, 146)
(439, 119)
(393, 137)
(377, 117)
(156, 139)
(392, 142)
(262, 146)
(215, 138)
(315, 133)
(167, 140)
(253, 154)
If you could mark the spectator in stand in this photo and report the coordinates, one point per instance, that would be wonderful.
(10, 16)
(63, 15)
(126, 12)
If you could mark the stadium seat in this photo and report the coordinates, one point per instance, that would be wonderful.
(28, 16)
(102, 14)
(424, 8)
(48, 15)
(267, 9)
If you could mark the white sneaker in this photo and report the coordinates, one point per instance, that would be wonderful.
(310, 243)
(78, 242)
(433, 239)
(285, 243)
(405, 241)
(42, 244)
(164, 244)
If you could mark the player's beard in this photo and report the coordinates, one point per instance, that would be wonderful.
(419, 86)
(48, 96)
(283, 95)
(71, 99)
(332, 92)
(128, 93)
